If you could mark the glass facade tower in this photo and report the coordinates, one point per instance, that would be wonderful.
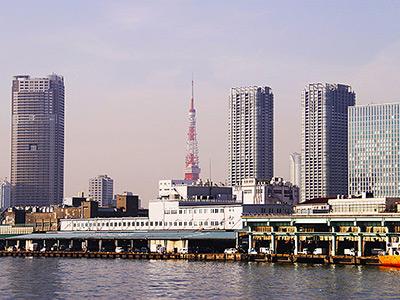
(251, 134)
(37, 140)
(374, 150)
(324, 109)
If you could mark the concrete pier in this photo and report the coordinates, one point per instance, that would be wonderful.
(272, 258)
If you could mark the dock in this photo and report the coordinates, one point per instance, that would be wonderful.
(243, 257)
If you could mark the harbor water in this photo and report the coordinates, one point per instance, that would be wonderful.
(71, 278)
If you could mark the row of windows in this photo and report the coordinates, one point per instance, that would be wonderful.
(195, 211)
(143, 224)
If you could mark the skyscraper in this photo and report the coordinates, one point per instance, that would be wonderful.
(374, 150)
(5, 194)
(37, 140)
(295, 168)
(251, 133)
(324, 139)
(101, 189)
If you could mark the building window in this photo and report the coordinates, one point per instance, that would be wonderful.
(33, 147)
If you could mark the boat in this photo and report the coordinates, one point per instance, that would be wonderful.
(390, 258)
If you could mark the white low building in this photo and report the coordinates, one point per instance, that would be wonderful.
(167, 215)
(185, 205)
(266, 191)
(193, 190)
(351, 205)
(179, 215)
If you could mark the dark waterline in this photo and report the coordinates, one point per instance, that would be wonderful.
(63, 278)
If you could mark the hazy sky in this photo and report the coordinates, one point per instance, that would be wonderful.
(127, 67)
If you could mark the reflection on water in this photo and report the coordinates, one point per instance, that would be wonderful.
(30, 278)
(63, 278)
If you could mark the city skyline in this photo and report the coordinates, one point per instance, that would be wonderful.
(128, 67)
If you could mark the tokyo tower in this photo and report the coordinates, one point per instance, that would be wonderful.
(192, 170)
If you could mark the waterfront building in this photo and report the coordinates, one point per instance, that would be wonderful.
(295, 168)
(266, 191)
(179, 215)
(37, 140)
(324, 139)
(5, 194)
(332, 234)
(190, 190)
(251, 134)
(374, 149)
(365, 204)
(101, 189)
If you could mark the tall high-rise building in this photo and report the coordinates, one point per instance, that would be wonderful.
(5, 194)
(251, 134)
(37, 140)
(324, 139)
(374, 150)
(295, 168)
(101, 189)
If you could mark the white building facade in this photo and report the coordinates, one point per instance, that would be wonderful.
(324, 111)
(251, 134)
(352, 205)
(5, 194)
(101, 189)
(295, 168)
(166, 215)
(264, 191)
(193, 190)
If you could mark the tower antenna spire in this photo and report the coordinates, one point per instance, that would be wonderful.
(192, 170)
(192, 102)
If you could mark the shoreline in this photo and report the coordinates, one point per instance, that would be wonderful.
(272, 258)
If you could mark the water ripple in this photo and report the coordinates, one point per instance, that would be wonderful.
(63, 278)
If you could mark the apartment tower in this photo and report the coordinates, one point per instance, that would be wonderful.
(324, 111)
(101, 189)
(251, 134)
(37, 140)
(374, 150)
(295, 168)
(5, 194)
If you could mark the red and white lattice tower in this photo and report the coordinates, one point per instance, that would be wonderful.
(192, 170)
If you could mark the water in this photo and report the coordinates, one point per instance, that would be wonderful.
(67, 278)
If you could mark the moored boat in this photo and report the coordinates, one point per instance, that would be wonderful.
(391, 257)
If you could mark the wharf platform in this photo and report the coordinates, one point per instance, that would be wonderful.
(272, 258)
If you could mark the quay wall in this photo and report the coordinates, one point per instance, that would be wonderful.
(271, 258)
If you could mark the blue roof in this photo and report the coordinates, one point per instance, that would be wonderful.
(138, 235)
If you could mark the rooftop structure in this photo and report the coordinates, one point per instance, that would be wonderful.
(266, 191)
(189, 190)
(365, 204)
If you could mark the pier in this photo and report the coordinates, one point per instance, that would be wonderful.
(270, 258)
(332, 235)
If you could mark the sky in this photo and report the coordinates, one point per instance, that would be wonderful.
(128, 66)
